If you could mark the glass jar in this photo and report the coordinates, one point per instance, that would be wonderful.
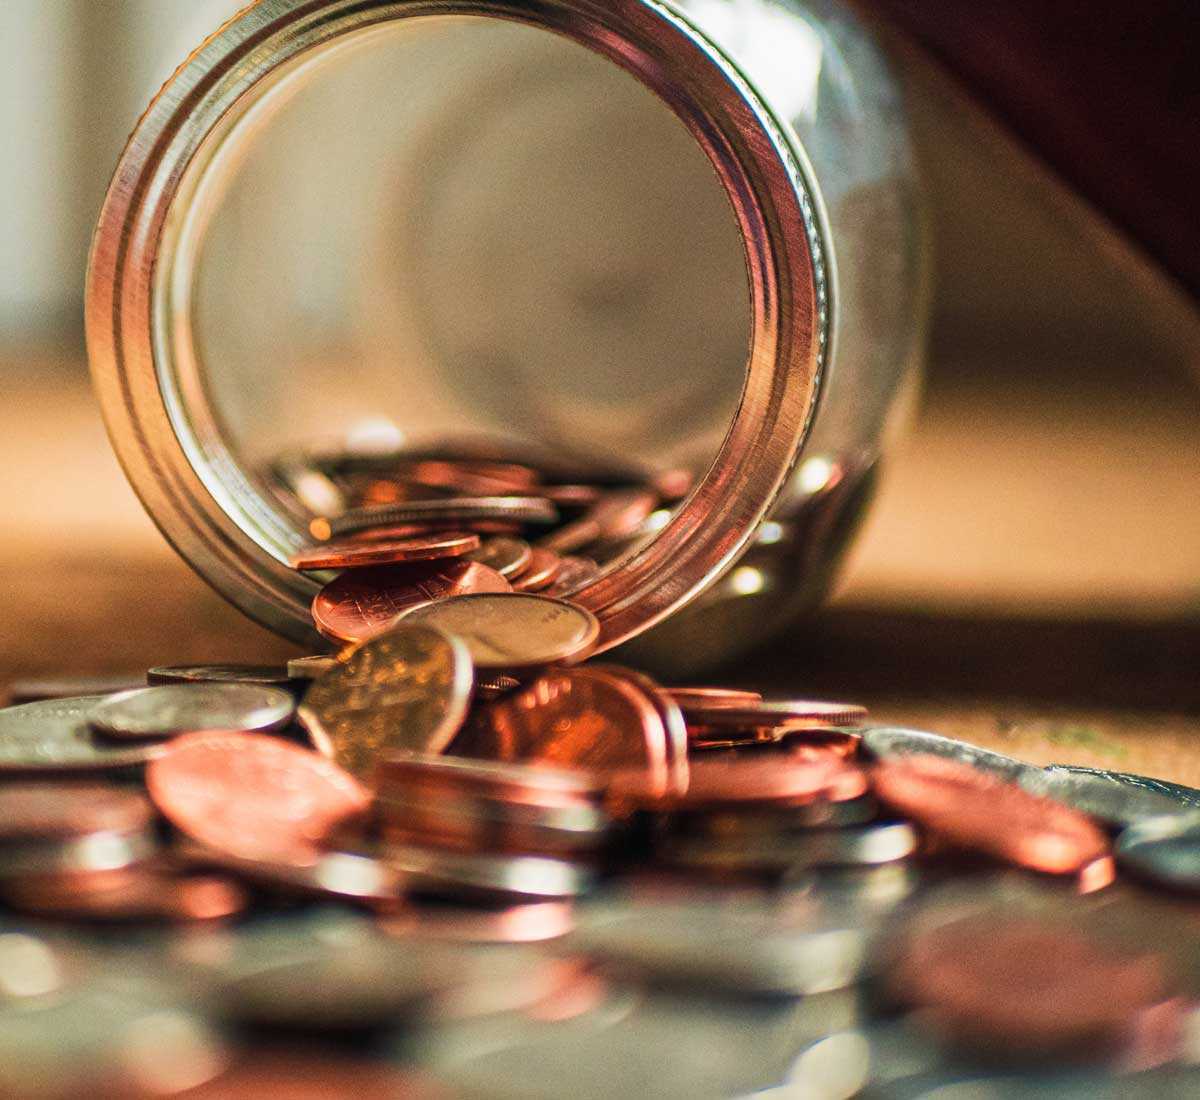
(641, 234)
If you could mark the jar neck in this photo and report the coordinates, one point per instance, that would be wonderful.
(140, 288)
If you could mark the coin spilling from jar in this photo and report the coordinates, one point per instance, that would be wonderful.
(455, 857)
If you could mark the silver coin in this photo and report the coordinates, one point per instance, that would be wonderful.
(53, 736)
(527, 509)
(885, 741)
(1114, 798)
(309, 668)
(184, 708)
(741, 945)
(456, 875)
(1165, 850)
(266, 675)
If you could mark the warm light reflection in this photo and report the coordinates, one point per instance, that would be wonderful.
(745, 580)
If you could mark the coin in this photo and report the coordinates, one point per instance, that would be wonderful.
(977, 810)
(171, 709)
(1111, 797)
(528, 922)
(573, 574)
(49, 811)
(309, 668)
(692, 698)
(576, 718)
(357, 554)
(544, 566)
(64, 687)
(141, 895)
(518, 630)
(361, 603)
(477, 877)
(614, 516)
(1165, 850)
(405, 690)
(54, 736)
(266, 675)
(992, 982)
(463, 510)
(253, 796)
(507, 555)
(677, 740)
(774, 714)
(871, 845)
(886, 741)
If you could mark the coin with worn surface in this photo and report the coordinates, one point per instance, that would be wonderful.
(517, 630)
(1111, 797)
(404, 691)
(506, 554)
(1165, 850)
(357, 554)
(309, 668)
(266, 675)
(51, 811)
(54, 736)
(361, 603)
(576, 718)
(977, 810)
(884, 742)
(986, 981)
(171, 709)
(544, 565)
(253, 796)
(464, 510)
(65, 687)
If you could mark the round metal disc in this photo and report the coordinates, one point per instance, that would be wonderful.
(171, 709)
(53, 736)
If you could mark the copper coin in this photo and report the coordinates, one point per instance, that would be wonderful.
(406, 690)
(615, 515)
(252, 795)
(975, 810)
(672, 485)
(142, 895)
(575, 718)
(516, 630)
(544, 565)
(746, 781)
(672, 718)
(50, 811)
(571, 496)
(998, 982)
(812, 744)
(264, 675)
(773, 714)
(362, 603)
(471, 479)
(573, 574)
(464, 510)
(700, 697)
(348, 554)
(508, 556)
(409, 530)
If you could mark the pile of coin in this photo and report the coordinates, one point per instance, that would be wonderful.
(452, 859)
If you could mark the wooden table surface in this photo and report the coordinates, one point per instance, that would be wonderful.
(1029, 580)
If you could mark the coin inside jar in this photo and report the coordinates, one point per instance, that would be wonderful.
(405, 690)
(507, 555)
(361, 603)
(518, 630)
(170, 709)
(349, 554)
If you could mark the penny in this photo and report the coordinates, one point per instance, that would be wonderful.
(1113, 798)
(571, 496)
(252, 796)
(471, 479)
(266, 675)
(407, 690)
(774, 714)
(669, 713)
(614, 516)
(544, 565)
(54, 736)
(576, 718)
(355, 555)
(48, 811)
(885, 742)
(990, 981)
(362, 603)
(979, 811)
(464, 510)
(573, 574)
(700, 697)
(64, 687)
(309, 668)
(518, 630)
(170, 709)
(1164, 850)
(507, 555)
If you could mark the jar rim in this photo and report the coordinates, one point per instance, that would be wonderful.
(139, 346)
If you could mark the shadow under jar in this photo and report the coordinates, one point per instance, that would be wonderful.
(604, 239)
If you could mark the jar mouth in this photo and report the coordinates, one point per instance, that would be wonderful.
(141, 289)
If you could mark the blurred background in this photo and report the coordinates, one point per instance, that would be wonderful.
(1050, 477)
